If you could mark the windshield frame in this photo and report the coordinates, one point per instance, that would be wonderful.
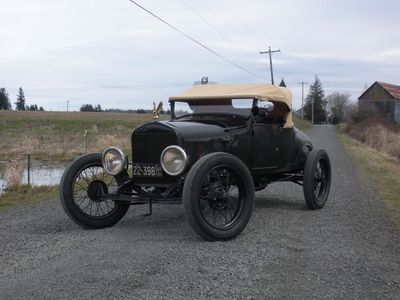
(174, 117)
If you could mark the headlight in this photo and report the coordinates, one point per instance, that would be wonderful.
(114, 161)
(173, 160)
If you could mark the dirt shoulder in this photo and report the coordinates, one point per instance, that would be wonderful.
(381, 171)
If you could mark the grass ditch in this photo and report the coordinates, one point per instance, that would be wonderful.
(26, 194)
(303, 125)
(381, 170)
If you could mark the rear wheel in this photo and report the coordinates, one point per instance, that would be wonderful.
(218, 196)
(82, 186)
(317, 179)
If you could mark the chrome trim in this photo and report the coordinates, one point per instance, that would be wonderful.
(185, 157)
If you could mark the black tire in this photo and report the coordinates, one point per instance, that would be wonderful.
(76, 202)
(218, 184)
(317, 179)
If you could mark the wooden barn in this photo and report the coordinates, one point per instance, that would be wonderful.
(384, 97)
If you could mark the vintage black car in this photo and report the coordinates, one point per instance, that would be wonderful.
(222, 143)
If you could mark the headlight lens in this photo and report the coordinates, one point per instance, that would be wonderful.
(173, 160)
(114, 160)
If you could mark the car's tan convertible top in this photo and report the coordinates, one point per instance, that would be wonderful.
(260, 91)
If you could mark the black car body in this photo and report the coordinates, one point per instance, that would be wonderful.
(268, 150)
(230, 141)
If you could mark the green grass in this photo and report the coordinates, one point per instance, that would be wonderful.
(303, 125)
(380, 170)
(26, 194)
(60, 135)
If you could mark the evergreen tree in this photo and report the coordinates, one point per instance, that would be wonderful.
(4, 101)
(97, 108)
(32, 107)
(41, 108)
(283, 84)
(316, 95)
(87, 107)
(20, 104)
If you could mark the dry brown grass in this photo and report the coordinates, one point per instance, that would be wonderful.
(378, 134)
(13, 174)
(382, 171)
(60, 135)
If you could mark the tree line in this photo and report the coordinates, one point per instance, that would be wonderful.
(97, 108)
(331, 108)
(20, 104)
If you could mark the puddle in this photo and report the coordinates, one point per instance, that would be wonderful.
(41, 173)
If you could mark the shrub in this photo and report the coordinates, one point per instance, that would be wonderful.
(13, 174)
(376, 132)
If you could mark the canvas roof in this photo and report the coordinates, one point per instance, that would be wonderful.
(260, 91)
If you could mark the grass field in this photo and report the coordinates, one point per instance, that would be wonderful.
(61, 135)
(380, 170)
(26, 194)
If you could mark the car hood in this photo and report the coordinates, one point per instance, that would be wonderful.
(196, 130)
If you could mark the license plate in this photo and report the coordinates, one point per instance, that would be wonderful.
(147, 170)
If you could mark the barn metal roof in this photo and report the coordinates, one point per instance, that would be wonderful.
(392, 89)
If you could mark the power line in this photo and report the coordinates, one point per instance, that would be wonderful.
(194, 40)
(214, 27)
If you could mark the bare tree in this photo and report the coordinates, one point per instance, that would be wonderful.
(337, 105)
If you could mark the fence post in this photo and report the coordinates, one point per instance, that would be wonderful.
(29, 169)
(86, 140)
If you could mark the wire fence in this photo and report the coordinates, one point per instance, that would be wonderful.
(25, 170)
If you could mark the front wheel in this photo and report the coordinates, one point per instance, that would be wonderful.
(317, 179)
(218, 196)
(82, 186)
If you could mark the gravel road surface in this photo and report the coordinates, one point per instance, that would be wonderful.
(350, 249)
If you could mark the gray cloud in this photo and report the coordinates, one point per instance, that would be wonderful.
(112, 53)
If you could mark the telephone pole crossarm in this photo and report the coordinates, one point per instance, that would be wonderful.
(269, 52)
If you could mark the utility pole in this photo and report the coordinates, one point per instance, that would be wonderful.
(302, 98)
(270, 60)
(312, 112)
(67, 105)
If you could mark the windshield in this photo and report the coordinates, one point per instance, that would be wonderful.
(241, 107)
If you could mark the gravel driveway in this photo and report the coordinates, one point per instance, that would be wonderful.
(349, 249)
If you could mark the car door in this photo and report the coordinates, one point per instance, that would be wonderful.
(265, 146)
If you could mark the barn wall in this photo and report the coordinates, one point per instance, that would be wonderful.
(376, 92)
(384, 103)
(397, 113)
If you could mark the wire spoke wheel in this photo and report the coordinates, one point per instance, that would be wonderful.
(218, 196)
(221, 197)
(90, 184)
(83, 188)
(317, 179)
(320, 180)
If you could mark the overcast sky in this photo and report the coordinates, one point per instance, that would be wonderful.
(114, 54)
